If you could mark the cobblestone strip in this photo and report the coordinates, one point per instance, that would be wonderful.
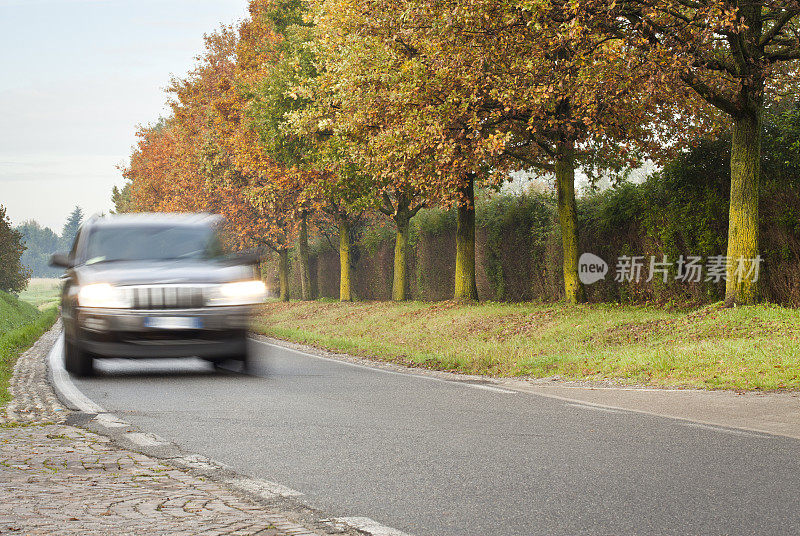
(33, 399)
(57, 479)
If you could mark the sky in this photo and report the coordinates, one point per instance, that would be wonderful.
(76, 78)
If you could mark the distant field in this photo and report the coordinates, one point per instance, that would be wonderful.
(745, 348)
(41, 292)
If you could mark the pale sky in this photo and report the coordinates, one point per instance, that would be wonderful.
(76, 78)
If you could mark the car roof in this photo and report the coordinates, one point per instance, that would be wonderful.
(155, 218)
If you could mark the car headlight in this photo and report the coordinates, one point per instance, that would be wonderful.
(105, 296)
(239, 293)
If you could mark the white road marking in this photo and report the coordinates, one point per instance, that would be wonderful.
(395, 372)
(370, 526)
(263, 488)
(720, 429)
(755, 432)
(592, 407)
(488, 388)
(145, 440)
(63, 383)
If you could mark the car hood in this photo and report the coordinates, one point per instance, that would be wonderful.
(162, 272)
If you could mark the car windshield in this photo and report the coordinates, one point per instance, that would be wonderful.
(152, 242)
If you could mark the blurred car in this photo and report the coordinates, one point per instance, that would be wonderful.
(155, 285)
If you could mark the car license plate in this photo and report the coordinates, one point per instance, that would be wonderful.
(172, 322)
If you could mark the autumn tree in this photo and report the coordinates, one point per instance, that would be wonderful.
(277, 68)
(362, 115)
(536, 85)
(732, 54)
(285, 114)
(212, 102)
(394, 86)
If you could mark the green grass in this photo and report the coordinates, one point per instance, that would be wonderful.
(21, 324)
(15, 313)
(743, 348)
(42, 293)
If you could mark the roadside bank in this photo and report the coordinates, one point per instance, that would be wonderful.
(744, 348)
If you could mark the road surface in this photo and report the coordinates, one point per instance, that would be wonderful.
(434, 457)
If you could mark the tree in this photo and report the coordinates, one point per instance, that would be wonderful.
(40, 243)
(361, 115)
(288, 111)
(732, 54)
(391, 83)
(71, 226)
(13, 276)
(530, 85)
(206, 155)
(276, 68)
(121, 197)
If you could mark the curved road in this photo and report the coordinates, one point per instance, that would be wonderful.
(435, 457)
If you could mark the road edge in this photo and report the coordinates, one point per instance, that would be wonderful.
(95, 418)
(540, 388)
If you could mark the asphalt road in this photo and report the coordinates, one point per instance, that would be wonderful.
(433, 457)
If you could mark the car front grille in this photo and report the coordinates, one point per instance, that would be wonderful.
(169, 296)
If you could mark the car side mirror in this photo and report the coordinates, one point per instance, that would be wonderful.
(61, 260)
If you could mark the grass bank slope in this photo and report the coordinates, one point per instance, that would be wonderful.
(747, 348)
(21, 324)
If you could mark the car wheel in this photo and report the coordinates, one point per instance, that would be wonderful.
(243, 356)
(240, 357)
(77, 362)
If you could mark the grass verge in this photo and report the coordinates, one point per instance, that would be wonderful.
(21, 324)
(743, 348)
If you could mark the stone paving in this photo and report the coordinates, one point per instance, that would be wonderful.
(33, 400)
(62, 480)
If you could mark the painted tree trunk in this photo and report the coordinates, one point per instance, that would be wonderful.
(305, 267)
(345, 288)
(742, 286)
(283, 273)
(466, 287)
(400, 280)
(568, 222)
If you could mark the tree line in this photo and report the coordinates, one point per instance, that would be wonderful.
(25, 250)
(315, 114)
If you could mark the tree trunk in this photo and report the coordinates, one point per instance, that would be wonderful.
(466, 285)
(568, 221)
(743, 226)
(283, 273)
(345, 289)
(305, 267)
(399, 281)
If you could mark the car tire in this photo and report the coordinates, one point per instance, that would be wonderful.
(244, 359)
(77, 361)
(243, 356)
